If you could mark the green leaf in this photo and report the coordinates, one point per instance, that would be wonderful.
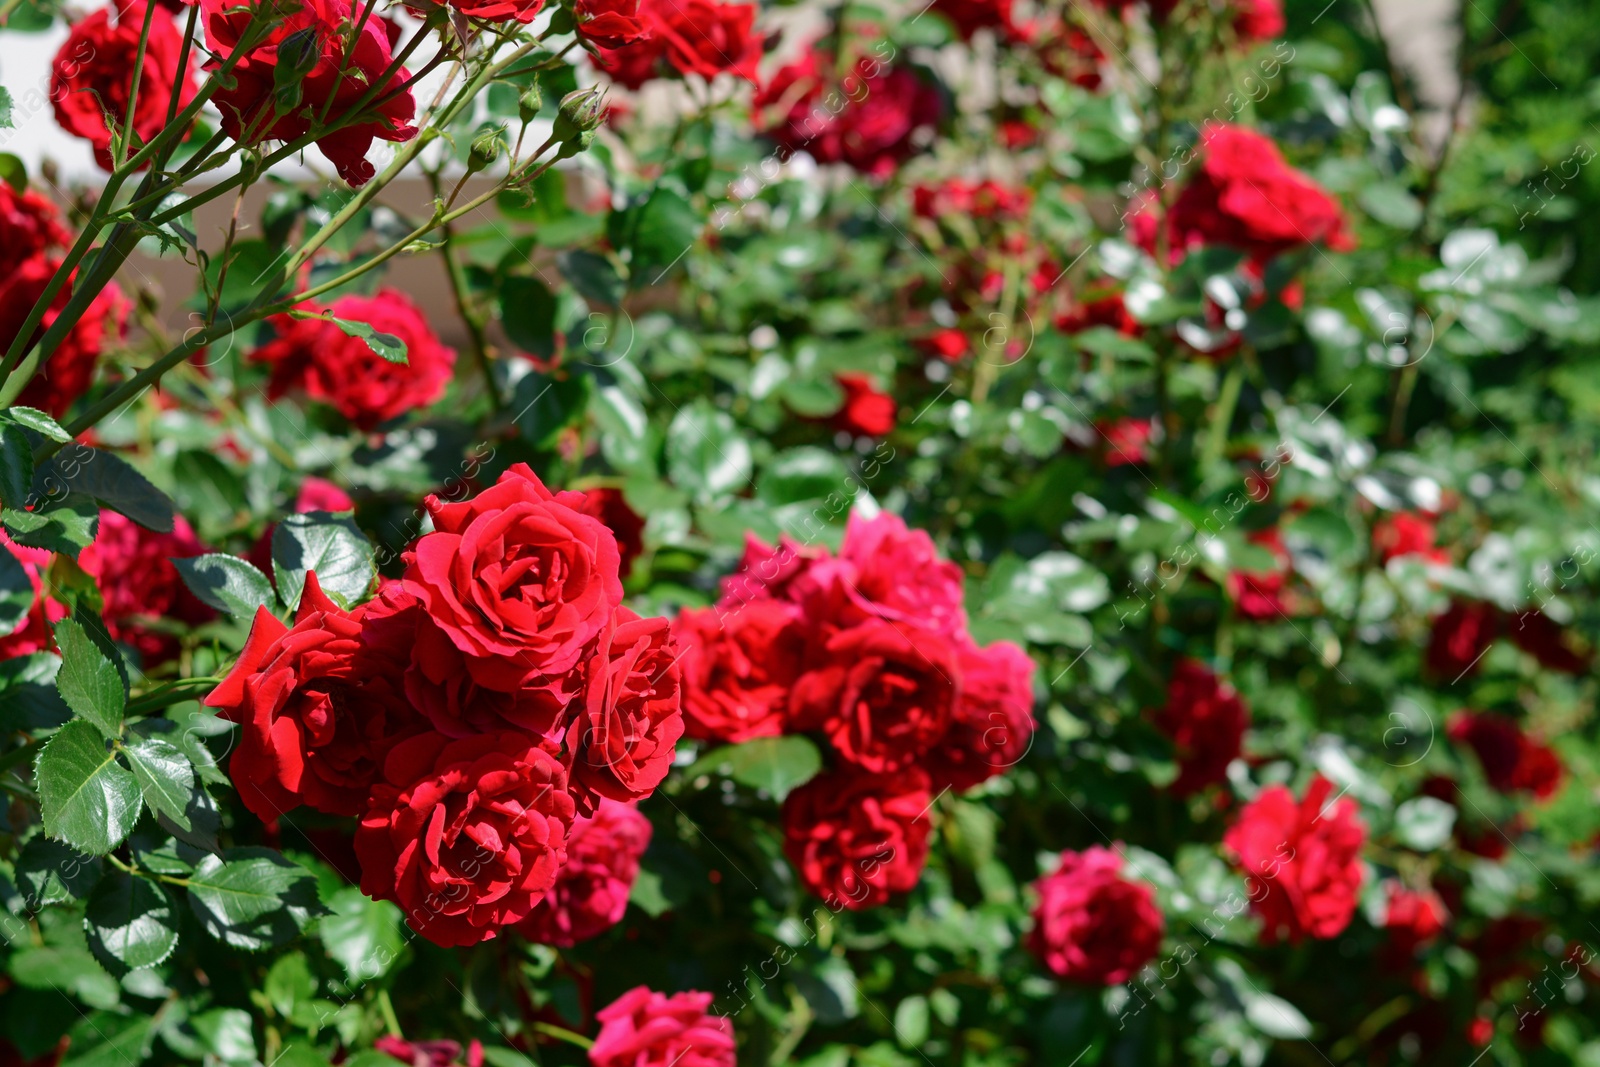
(89, 680)
(6, 121)
(13, 171)
(37, 421)
(289, 983)
(252, 898)
(1391, 204)
(386, 345)
(87, 799)
(164, 776)
(28, 696)
(706, 456)
(593, 276)
(130, 923)
(16, 594)
(107, 479)
(227, 1034)
(547, 404)
(49, 872)
(226, 583)
(363, 935)
(528, 312)
(16, 465)
(66, 526)
(70, 969)
(333, 547)
(107, 1040)
(776, 765)
(664, 228)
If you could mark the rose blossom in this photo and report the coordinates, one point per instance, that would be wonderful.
(1092, 925)
(133, 568)
(1405, 534)
(316, 356)
(967, 17)
(518, 580)
(898, 574)
(609, 23)
(992, 723)
(465, 836)
(1206, 721)
(856, 838)
(320, 706)
(29, 224)
(64, 376)
(643, 1028)
(591, 890)
(1512, 761)
(883, 696)
(866, 411)
(1260, 594)
(631, 718)
(739, 668)
(1413, 918)
(1302, 860)
(1460, 637)
(93, 74)
(687, 37)
(1538, 635)
(611, 507)
(430, 1053)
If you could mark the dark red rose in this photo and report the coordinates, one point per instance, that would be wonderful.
(1302, 860)
(133, 568)
(1406, 534)
(883, 695)
(611, 507)
(310, 38)
(866, 412)
(314, 356)
(430, 1053)
(992, 725)
(896, 573)
(1108, 311)
(1092, 925)
(609, 23)
(1412, 918)
(1512, 761)
(1245, 196)
(518, 580)
(1460, 638)
(1126, 440)
(465, 836)
(93, 74)
(738, 668)
(684, 37)
(769, 571)
(987, 199)
(1538, 635)
(1258, 20)
(855, 838)
(66, 374)
(631, 718)
(591, 890)
(34, 633)
(643, 1028)
(320, 705)
(879, 125)
(969, 16)
(949, 345)
(1260, 594)
(1206, 720)
(29, 224)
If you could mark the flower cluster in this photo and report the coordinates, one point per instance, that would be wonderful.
(1206, 720)
(468, 715)
(1463, 634)
(869, 651)
(650, 39)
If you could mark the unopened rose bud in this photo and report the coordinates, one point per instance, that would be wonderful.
(580, 114)
(487, 147)
(529, 103)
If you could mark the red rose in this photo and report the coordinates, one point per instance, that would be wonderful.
(866, 412)
(987, 199)
(1260, 594)
(1091, 924)
(969, 16)
(591, 890)
(1538, 635)
(949, 345)
(66, 374)
(1302, 860)
(465, 836)
(769, 571)
(896, 573)
(687, 37)
(523, 11)
(430, 1053)
(29, 224)
(310, 38)
(319, 494)
(738, 669)
(1206, 721)
(1108, 311)
(93, 74)
(1406, 534)
(519, 581)
(1512, 761)
(133, 568)
(992, 724)
(1245, 196)
(315, 356)
(1125, 440)
(34, 633)
(643, 1028)
(1460, 638)
(631, 718)
(1258, 20)
(320, 705)
(882, 695)
(1413, 918)
(609, 23)
(856, 838)
(878, 126)
(611, 507)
